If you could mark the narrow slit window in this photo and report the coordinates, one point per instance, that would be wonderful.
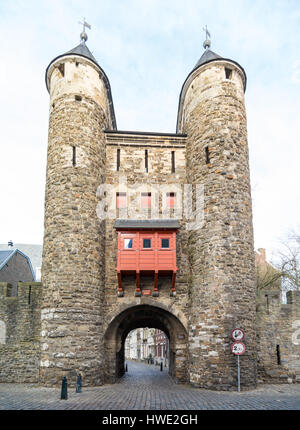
(207, 157)
(61, 68)
(173, 161)
(29, 295)
(278, 355)
(267, 303)
(74, 155)
(118, 159)
(228, 73)
(146, 160)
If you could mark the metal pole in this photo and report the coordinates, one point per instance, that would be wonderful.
(239, 378)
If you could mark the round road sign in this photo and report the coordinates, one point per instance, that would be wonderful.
(237, 334)
(238, 348)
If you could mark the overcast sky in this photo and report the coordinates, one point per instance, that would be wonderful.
(147, 48)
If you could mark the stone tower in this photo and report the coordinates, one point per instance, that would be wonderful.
(222, 283)
(73, 254)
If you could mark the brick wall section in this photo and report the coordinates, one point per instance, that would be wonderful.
(221, 252)
(20, 352)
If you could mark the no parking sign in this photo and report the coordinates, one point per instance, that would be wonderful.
(238, 348)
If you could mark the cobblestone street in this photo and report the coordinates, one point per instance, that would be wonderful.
(145, 387)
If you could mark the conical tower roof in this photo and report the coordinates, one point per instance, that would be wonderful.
(83, 51)
(206, 57)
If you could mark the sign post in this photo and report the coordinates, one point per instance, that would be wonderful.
(238, 348)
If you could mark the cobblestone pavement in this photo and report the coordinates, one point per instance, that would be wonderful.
(145, 387)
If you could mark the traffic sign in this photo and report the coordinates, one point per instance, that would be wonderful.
(238, 348)
(237, 334)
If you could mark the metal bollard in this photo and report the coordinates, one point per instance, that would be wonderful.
(126, 368)
(161, 367)
(78, 383)
(64, 389)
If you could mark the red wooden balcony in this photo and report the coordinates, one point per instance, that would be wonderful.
(146, 247)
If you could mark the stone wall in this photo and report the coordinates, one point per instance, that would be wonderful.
(278, 337)
(73, 252)
(221, 252)
(133, 179)
(21, 325)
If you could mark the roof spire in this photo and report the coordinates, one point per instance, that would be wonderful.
(207, 41)
(83, 35)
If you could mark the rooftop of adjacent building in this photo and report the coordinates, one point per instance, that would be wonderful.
(33, 252)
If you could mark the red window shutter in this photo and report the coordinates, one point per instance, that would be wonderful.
(171, 200)
(121, 200)
(146, 200)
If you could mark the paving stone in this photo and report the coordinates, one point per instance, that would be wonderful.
(145, 387)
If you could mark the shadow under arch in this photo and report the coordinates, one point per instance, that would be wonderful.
(145, 316)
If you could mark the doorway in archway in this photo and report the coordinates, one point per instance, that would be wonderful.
(146, 317)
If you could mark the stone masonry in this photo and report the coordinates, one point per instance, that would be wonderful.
(77, 321)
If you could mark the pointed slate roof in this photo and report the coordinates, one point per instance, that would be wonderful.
(207, 56)
(83, 51)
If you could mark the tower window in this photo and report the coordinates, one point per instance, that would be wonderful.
(173, 161)
(228, 73)
(118, 159)
(146, 160)
(207, 157)
(61, 68)
(74, 156)
(78, 98)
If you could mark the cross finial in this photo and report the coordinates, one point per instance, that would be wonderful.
(83, 35)
(207, 41)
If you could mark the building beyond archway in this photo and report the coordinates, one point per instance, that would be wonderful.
(145, 316)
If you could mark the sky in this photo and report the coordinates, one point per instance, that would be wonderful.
(147, 48)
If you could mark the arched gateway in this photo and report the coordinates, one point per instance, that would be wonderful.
(145, 316)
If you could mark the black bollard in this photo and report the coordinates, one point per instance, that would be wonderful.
(64, 389)
(126, 368)
(161, 367)
(78, 383)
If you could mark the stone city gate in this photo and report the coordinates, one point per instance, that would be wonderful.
(118, 254)
(106, 271)
(137, 316)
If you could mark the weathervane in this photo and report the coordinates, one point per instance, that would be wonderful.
(83, 35)
(207, 42)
